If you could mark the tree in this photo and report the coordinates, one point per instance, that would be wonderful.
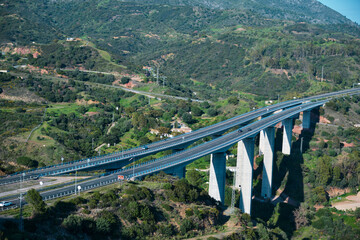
(194, 178)
(163, 131)
(72, 223)
(275, 216)
(357, 213)
(187, 118)
(103, 226)
(26, 161)
(301, 216)
(233, 100)
(324, 170)
(196, 111)
(35, 200)
(212, 112)
(125, 80)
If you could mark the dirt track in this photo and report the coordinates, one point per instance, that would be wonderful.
(351, 202)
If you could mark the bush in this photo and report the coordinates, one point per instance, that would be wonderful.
(212, 112)
(189, 212)
(125, 80)
(103, 226)
(233, 100)
(187, 118)
(166, 230)
(34, 198)
(357, 213)
(73, 223)
(185, 226)
(28, 162)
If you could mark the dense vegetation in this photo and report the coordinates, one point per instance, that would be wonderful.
(129, 211)
(231, 49)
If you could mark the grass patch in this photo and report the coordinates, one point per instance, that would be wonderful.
(201, 163)
(63, 108)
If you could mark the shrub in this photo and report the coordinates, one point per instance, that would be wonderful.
(73, 223)
(185, 226)
(35, 200)
(167, 207)
(189, 212)
(103, 226)
(28, 162)
(357, 213)
(125, 80)
(166, 230)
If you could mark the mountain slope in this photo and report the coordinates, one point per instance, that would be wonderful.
(229, 49)
(310, 11)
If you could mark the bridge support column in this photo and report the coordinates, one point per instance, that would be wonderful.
(261, 143)
(217, 176)
(269, 139)
(287, 135)
(244, 172)
(180, 172)
(306, 119)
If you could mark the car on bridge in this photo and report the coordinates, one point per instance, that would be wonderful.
(5, 204)
(145, 147)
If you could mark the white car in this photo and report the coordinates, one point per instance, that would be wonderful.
(5, 204)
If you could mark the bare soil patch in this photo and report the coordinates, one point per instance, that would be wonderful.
(352, 202)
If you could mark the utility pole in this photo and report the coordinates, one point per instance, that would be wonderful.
(322, 73)
(21, 225)
(75, 181)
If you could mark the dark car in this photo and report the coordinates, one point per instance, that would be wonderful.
(145, 147)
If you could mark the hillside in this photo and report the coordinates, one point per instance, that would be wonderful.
(310, 11)
(227, 47)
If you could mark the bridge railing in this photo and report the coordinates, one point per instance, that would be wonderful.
(129, 155)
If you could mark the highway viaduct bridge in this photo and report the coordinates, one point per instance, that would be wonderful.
(175, 163)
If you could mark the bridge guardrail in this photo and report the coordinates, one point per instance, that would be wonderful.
(127, 155)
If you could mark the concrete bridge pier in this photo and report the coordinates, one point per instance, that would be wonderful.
(306, 119)
(180, 172)
(269, 139)
(261, 142)
(217, 176)
(287, 135)
(244, 172)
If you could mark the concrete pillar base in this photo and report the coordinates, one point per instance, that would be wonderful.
(268, 162)
(287, 135)
(261, 143)
(306, 119)
(179, 172)
(244, 173)
(217, 176)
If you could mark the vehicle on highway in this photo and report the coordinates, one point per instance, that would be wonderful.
(145, 147)
(5, 204)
